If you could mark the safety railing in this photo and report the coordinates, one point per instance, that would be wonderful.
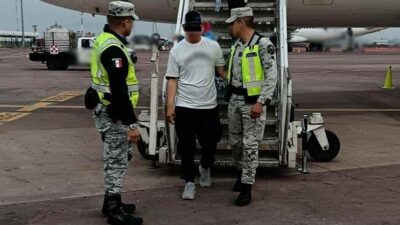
(284, 82)
(183, 8)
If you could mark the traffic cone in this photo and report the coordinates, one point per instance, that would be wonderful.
(389, 79)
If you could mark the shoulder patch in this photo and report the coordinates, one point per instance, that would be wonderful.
(117, 63)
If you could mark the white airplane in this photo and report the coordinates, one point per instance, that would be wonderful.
(301, 13)
(316, 38)
(320, 35)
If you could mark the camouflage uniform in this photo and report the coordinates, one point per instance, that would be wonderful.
(245, 133)
(115, 150)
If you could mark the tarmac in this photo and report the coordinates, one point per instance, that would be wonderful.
(51, 169)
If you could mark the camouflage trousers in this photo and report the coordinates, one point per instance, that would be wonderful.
(245, 135)
(115, 150)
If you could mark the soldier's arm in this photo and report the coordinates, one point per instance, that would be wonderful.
(268, 57)
(116, 63)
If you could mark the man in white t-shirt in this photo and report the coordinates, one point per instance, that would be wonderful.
(192, 100)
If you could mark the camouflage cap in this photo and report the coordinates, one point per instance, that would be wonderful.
(122, 9)
(238, 13)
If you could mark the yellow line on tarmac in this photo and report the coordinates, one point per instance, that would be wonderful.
(11, 116)
(62, 97)
(44, 103)
(64, 107)
(34, 107)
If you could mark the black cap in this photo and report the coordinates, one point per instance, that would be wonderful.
(193, 17)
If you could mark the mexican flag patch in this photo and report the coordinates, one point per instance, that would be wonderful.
(117, 63)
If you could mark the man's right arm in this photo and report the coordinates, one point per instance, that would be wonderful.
(220, 62)
(172, 86)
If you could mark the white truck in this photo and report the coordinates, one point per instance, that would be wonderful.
(62, 48)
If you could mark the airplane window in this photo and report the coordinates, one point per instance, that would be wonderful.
(317, 2)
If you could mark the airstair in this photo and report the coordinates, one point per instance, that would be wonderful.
(279, 146)
(265, 15)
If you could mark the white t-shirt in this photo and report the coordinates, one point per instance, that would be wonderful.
(194, 66)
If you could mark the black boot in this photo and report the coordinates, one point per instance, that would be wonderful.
(129, 208)
(117, 215)
(238, 184)
(244, 198)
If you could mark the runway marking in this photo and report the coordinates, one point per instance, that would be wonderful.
(64, 107)
(34, 107)
(11, 116)
(62, 97)
(25, 110)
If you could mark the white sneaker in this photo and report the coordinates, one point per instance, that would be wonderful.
(189, 192)
(205, 177)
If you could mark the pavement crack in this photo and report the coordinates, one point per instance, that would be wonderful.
(340, 173)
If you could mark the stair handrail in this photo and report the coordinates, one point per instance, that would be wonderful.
(285, 91)
(183, 8)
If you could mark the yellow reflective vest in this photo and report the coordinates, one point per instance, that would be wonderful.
(252, 68)
(100, 77)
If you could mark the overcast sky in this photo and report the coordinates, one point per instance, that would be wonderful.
(44, 15)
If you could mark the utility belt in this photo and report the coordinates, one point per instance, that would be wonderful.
(241, 92)
(92, 98)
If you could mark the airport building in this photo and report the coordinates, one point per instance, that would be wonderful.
(14, 38)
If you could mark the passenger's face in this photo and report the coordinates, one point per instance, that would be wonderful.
(194, 36)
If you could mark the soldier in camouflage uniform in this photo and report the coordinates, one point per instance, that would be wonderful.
(114, 82)
(252, 78)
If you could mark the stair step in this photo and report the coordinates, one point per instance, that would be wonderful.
(224, 158)
(271, 121)
(228, 162)
(224, 4)
(267, 144)
(256, 6)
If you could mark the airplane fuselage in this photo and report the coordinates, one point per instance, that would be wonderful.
(301, 13)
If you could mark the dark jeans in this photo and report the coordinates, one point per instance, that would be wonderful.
(236, 4)
(202, 124)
